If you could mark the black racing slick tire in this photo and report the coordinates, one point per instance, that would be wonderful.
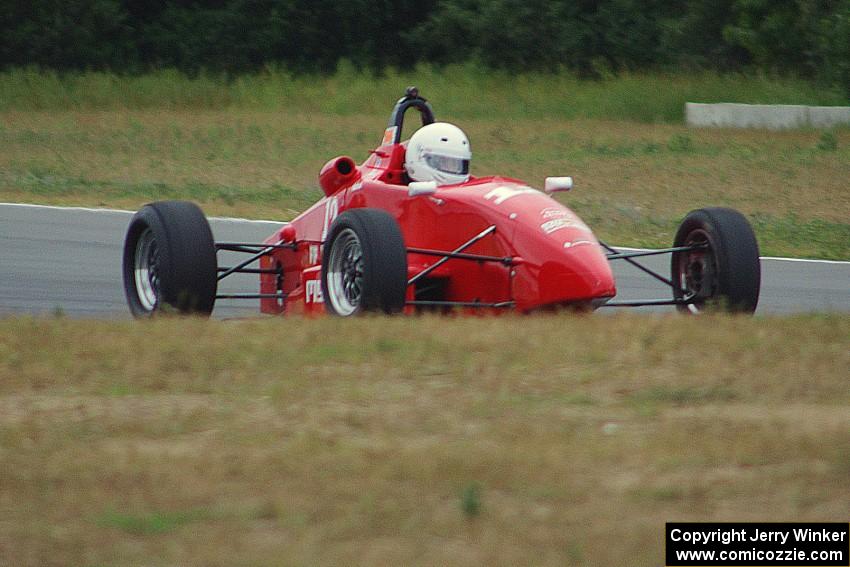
(364, 264)
(725, 273)
(170, 260)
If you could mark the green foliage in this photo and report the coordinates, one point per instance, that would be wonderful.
(149, 524)
(681, 143)
(832, 42)
(809, 38)
(693, 38)
(591, 38)
(828, 142)
(470, 500)
(65, 34)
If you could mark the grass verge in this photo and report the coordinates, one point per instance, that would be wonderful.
(413, 441)
(465, 91)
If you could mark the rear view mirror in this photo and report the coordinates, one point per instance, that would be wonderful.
(421, 188)
(555, 184)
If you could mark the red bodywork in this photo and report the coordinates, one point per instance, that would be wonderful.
(554, 258)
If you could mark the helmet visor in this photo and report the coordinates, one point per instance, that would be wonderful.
(448, 164)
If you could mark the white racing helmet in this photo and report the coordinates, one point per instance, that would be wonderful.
(438, 152)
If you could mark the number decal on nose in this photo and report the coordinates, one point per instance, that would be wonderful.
(331, 212)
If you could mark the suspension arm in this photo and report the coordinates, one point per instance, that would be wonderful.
(506, 260)
(267, 250)
(637, 253)
(489, 230)
(640, 267)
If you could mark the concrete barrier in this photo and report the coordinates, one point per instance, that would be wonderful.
(768, 116)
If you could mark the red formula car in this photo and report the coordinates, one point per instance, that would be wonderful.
(381, 241)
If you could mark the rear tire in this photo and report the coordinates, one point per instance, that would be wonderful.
(726, 274)
(170, 260)
(364, 264)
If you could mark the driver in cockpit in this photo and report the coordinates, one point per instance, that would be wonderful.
(438, 152)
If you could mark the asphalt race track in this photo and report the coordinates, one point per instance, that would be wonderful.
(56, 259)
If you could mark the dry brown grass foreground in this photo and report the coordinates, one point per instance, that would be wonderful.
(550, 440)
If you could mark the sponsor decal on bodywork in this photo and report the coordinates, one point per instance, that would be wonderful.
(554, 213)
(313, 292)
(389, 135)
(551, 226)
(560, 218)
(503, 193)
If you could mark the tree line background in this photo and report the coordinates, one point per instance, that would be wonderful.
(592, 38)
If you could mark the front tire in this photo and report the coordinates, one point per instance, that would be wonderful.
(170, 260)
(726, 273)
(364, 264)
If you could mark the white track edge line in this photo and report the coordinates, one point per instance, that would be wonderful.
(782, 259)
(124, 212)
(262, 221)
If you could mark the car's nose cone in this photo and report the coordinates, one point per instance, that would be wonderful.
(563, 262)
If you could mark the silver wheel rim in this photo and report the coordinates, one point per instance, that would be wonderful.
(697, 273)
(146, 270)
(345, 273)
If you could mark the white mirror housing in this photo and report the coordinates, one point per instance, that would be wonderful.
(555, 184)
(421, 188)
